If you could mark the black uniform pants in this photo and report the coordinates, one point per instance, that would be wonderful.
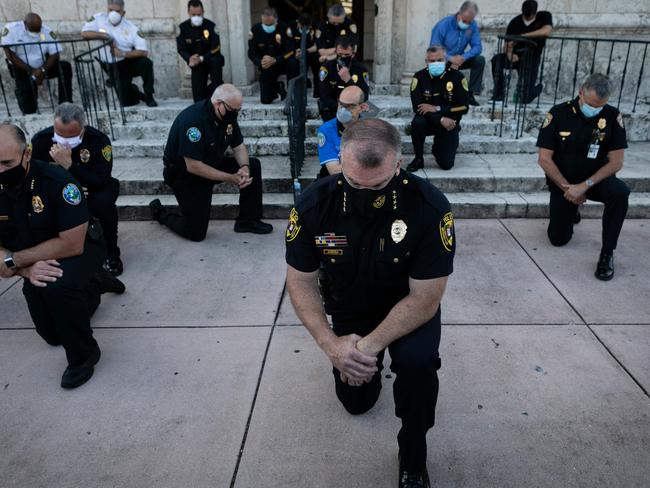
(61, 311)
(611, 191)
(476, 65)
(527, 70)
(209, 67)
(445, 142)
(314, 65)
(327, 108)
(27, 91)
(127, 69)
(269, 86)
(194, 196)
(415, 362)
(102, 206)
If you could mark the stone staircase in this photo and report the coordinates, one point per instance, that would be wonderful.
(493, 176)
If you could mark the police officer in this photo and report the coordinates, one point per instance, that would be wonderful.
(386, 240)
(581, 145)
(199, 45)
(45, 238)
(440, 98)
(351, 105)
(270, 48)
(335, 75)
(194, 161)
(295, 32)
(87, 153)
(34, 63)
(336, 25)
(129, 53)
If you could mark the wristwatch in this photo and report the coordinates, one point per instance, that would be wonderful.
(589, 183)
(9, 261)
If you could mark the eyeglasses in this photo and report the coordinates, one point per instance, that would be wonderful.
(349, 106)
(229, 108)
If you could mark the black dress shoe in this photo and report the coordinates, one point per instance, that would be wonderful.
(253, 226)
(156, 209)
(149, 100)
(577, 218)
(472, 100)
(78, 375)
(605, 268)
(109, 283)
(412, 479)
(114, 265)
(416, 164)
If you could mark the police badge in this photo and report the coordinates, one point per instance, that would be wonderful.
(398, 231)
(84, 155)
(206, 33)
(37, 204)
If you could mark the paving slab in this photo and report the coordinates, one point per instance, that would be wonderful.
(571, 269)
(631, 345)
(228, 279)
(165, 408)
(5, 284)
(519, 406)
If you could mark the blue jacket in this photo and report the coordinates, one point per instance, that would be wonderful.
(447, 33)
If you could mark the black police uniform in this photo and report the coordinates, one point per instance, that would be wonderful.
(449, 92)
(204, 41)
(197, 134)
(327, 33)
(49, 202)
(278, 45)
(92, 164)
(331, 84)
(580, 146)
(369, 248)
(293, 31)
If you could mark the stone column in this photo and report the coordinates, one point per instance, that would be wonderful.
(421, 17)
(383, 42)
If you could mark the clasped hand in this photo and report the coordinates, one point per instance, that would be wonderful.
(355, 367)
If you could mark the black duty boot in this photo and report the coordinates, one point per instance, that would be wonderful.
(605, 268)
(416, 164)
(78, 375)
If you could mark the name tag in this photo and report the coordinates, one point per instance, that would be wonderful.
(593, 151)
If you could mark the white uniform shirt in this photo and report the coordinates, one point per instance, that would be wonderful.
(125, 34)
(32, 55)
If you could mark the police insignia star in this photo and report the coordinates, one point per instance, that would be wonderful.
(37, 204)
(447, 231)
(194, 134)
(84, 155)
(71, 194)
(547, 120)
(293, 229)
(107, 152)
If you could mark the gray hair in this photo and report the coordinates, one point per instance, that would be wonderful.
(434, 48)
(336, 10)
(600, 84)
(116, 2)
(371, 140)
(17, 133)
(465, 6)
(71, 112)
(225, 91)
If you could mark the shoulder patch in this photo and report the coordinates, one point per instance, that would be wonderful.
(619, 119)
(289, 33)
(107, 152)
(464, 83)
(293, 228)
(216, 31)
(365, 77)
(353, 28)
(71, 194)
(194, 134)
(91, 19)
(547, 120)
(321, 139)
(446, 227)
(318, 33)
(414, 84)
(53, 35)
(140, 34)
(250, 35)
(322, 74)
(5, 32)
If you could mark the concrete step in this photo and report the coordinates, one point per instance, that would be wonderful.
(464, 205)
(472, 173)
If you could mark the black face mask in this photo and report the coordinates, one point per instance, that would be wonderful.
(344, 61)
(368, 203)
(14, 177)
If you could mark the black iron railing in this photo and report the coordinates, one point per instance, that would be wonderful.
(96, 76)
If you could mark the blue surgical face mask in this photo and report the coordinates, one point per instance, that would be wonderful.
(436, 68)
(589, 111)
(269, 29)
(343, 115)
(462, 25)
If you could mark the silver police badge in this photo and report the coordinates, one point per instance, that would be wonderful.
(398, 231)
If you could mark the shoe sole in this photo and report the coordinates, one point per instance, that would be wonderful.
(253, 232)
(609, 278)
(70, 386)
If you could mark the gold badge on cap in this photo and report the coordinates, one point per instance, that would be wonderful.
(398, 231)
(206, 33)
(602, 123)
(450, 86)
(84, 155)
(37, 204)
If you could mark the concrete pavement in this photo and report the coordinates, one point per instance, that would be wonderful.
(206, 381)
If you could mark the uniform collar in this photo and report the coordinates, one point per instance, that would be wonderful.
(388, 200)
(339, 127)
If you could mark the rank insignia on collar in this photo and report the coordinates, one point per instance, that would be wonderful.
(206, 33)
(447, 231)
(330, 239)
(37, 204)
(379, 201)
(602, 123)
(84, 155)
(398, 231)
(450, 86)
(229, 130)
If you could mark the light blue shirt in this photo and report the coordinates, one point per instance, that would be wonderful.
(329, 142)
(455, 40)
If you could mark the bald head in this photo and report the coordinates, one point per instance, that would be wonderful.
(33, 22)
(352, 95)
(228, 93)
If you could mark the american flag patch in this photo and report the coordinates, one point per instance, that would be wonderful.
(331, 240)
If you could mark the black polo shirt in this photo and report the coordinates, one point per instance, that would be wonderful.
(92, 160)
(569, 134)
(197, 134)
(370, 258)
(49, 202)
(448, 91)
(516, 27)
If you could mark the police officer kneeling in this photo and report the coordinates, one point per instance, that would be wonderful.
(386, 240)
(581, 145)
(194, 162)
(87, 153)
(440, 98)
(46, 239)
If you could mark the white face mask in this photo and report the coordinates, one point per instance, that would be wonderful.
(114, 17)
(196, 20)
(67, 141)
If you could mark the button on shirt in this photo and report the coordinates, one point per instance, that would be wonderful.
(125, 34)
(447, 33)
(32, 55)
(329, 142)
